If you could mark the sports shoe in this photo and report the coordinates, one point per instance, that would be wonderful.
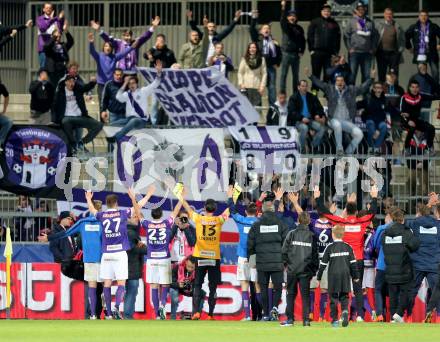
(196, 316)
(157, 318)
(246, 319)
(92, 318)
(274, 314)
(287, 323)
(117, 315)
(428, 318)
(306, 323)
(373, 315)
(210, 318)
(162, 313)
(108, 317)
(397, 319)
(345, 318)
(379, 318)
(359, 319)
(266, 319)
(335, 324)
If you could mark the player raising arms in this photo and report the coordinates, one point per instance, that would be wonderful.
(244, 272)
(158, 256)
(207, 253)
(115, 243)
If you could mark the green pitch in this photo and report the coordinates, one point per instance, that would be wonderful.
(204, 331)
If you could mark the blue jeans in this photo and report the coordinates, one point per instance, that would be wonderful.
(131, 291)
(290, 59)
(272, 84)
(363, 61)
(340, 126)
(5, 126)
(130, 123)
(114, 117)
(371, 129)
(303, 129)
(42, 60)
(379, 287)
(174, 294)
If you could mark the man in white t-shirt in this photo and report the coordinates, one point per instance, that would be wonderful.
(70, 111)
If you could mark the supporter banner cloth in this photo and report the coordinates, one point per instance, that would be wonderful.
(201, 97)
(196, 157)
(267, 149)
(29, 163)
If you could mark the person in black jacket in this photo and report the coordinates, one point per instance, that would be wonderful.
(265, 240)
(375, 110)
(339, 67)
(70, 111)
(63, 249)
(341, 263)
(421, 40)
(294, 44)
(300, 255)
(410, 108)
(324, 40)
(271, 52)
(57, 55)
(398, 242)
(305, 112)
(7, 33)
(427, 84)
(111, 109)
(135, 268)
(160, 51)
(42, 94)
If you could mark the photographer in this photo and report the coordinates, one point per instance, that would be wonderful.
(183, 283)
(183, 239)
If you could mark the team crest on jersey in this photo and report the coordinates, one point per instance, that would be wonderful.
(32, 156)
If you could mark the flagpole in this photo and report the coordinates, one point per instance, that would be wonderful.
(8, 255)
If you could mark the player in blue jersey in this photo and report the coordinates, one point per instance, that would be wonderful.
(322, 229)
(244, 272)
(159, 232)
(114, 246)
(90, 230)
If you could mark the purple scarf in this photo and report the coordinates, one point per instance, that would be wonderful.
(136, 106)
(363, 24)
(423, 34)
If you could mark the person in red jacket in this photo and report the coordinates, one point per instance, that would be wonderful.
(355, 228)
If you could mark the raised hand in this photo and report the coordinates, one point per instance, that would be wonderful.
(205, 20)
(159, 67)
(316, 192)
(352, 197)
(237, 15)
(61, 15)
(293, 197)
(29, 23)
(189, 14)
(95, 25)
(279, 193)
(156, 21)
(91, 37)
(89, 195)
(230, 191)
(374, 191)
(43, 238)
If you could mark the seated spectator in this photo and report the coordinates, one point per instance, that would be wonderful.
(277, 115)
(220, 61)
(111, 109)
(24, 226)
(252, 74)
(159, 51)
(63, 249)
(427, 84)
(136, 103)
(5, 122)
(342, 109)
(305, 112)
(192, 55)
(339, 67)
(183, 277)
(70, 111)
(42, 94)
(57, 55)
(129, 62)
(106, 61)
(410, 108)
(374, 115)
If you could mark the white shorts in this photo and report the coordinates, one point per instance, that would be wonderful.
(158, 271)
(369, 276)
(91, 271)
(323, 283)
(244, 270)
(114, 266)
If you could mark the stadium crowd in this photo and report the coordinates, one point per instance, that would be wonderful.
(341, 251)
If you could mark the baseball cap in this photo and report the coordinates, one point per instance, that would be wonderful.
(270, 197)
